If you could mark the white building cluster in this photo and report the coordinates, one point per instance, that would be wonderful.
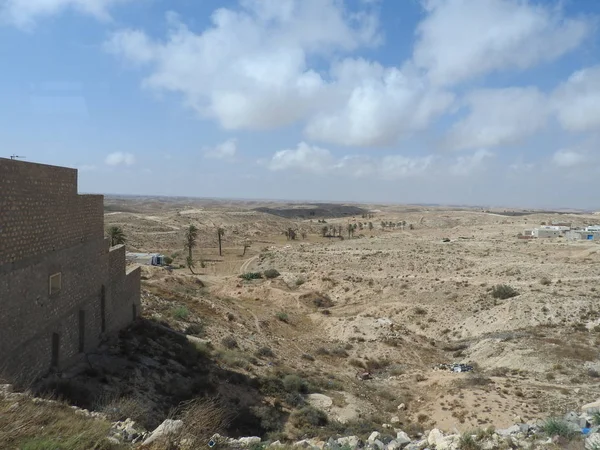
(589, 233)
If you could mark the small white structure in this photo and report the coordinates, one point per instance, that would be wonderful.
(149, 259)
(593, 228)
(545, 233)
(583, 235)
(555, 227)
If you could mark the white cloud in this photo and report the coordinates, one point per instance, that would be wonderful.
(318, 160)
(577, 101)
(225, 151)
(304, 157)
(377, 105)
(568, 158)
(500, 117)
(120, 159)
(462, 39)
(467, 165)
(249, 70)
(24, 13)
(397, 166)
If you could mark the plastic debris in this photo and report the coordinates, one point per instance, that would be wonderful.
(455, 367)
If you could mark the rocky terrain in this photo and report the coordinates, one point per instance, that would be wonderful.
(345, 341)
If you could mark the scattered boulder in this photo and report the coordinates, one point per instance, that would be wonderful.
(374, 436)
(168, 428)
(402, 438)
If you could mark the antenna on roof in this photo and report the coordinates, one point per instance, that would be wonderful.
(17, 157)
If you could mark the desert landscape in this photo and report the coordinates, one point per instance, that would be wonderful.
(370, 316)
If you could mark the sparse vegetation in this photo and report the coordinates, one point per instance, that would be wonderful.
(181, 313)
(558, 427)
(229, 342)
(504, 291)
(283, 317)
(251, 276)
(271, 273)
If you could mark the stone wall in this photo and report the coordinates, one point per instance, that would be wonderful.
(47, 228)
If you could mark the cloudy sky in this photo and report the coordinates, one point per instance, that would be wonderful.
(486, 102)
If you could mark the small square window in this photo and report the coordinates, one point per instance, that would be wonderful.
(55, 283)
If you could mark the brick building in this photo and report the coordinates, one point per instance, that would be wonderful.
(62, 288)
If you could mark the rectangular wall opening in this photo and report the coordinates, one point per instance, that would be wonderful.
(81, 331)
(134, 311)
(55, 349)
(102, 309)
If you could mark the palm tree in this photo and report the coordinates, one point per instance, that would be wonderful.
(370, 226)
(116, 235)
(220, 234)
(324, 230)
(191, 234)
(350, 230)
(247, 244)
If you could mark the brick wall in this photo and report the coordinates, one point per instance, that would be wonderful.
(47, 228)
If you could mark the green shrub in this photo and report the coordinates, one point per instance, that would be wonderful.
(309, 416)
(195, 329)
(467, 442)
(558, 427)
(271, 273)
(265, 352)
(504, 291)
(181, 313)
(229, 342)
(294, 383)
(168, 260)
(283, 317)
(300, 281)
(251, 276)
(270, 418)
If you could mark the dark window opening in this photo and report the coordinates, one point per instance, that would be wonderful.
(81, 331)
(103, 309)
(55, 349)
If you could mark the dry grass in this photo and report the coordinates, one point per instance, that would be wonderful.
(48, 425)
(203, 418)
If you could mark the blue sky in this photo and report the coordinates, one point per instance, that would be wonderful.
(488, 102)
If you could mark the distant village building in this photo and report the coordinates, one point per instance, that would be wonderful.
(546, 233)
(62, 288)
(583, 235)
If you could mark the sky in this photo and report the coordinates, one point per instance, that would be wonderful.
(470, 102)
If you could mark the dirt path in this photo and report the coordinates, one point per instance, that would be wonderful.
(246, 264)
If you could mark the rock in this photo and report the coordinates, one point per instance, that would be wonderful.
(395, 419)
(349, 441)
(435, 437)
(387, 425)
(401, 407)
(167, 428)
(197, 340)
(113, 440)
(524, 428)
(393, 445)
(515, 429)
(374, 435)
(304, 443)
(320, 401)
(591, 408)
(378, 444)
(248, 441)
(402, 438)
(419, 445)
(592, 441)
(571, 417)
(275, 444)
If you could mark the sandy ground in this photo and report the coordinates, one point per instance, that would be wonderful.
(400, 302)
